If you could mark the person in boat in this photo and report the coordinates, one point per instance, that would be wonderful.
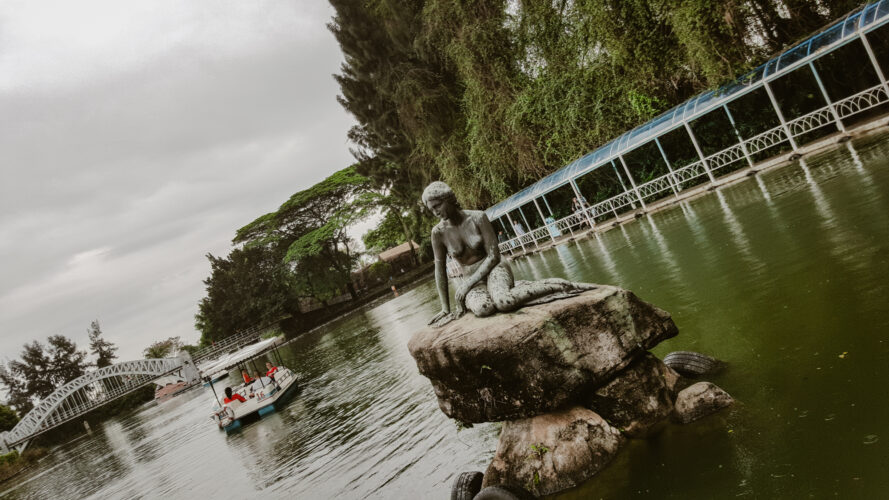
(232, 397)
(246, 376)
(258, 383)
(488, 287)
(271, 370)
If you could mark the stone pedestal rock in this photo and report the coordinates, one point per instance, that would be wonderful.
(553, 452)
(639, 398)
(538, 359)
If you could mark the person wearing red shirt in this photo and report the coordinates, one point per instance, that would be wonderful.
(272, 369)
(247, 379)
(230, 398)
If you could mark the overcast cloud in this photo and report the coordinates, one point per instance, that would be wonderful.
(136, 137)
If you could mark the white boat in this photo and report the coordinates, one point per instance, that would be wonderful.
(263, 396)
(261, 399)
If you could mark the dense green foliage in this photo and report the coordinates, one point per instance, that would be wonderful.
(163, 348)
(249, 286)
(492, 94)
(41, 370)
(388, 233)
(302, 250)
(8, 418)
(312, 225)
(12, 463)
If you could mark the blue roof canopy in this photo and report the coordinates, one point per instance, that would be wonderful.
(831, 37)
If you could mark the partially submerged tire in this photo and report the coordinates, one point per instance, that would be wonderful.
(692, 363)
(503, 493)
(467, 485)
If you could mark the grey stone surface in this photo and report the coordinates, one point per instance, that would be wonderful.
(700, 400)
(553, 452)
(538, 359)
(639, 398)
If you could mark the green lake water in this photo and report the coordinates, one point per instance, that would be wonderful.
(784, 276)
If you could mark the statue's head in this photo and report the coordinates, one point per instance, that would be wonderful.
(439, 198)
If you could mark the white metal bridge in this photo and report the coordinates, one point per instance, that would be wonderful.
(860, 35)
(92, 390)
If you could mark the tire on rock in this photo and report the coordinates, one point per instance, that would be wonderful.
(692, 363)
(467, 485)
(503, 493)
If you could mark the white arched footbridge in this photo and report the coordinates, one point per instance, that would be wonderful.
(92, 390)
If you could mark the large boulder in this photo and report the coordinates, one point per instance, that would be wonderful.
(537, 359)
(639, 398)
(553, 452)
(699, 400)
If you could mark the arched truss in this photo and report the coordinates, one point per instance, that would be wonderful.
(31, 423)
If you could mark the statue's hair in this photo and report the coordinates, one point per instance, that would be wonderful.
(438, 190)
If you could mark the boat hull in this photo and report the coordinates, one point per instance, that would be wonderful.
(266, 405)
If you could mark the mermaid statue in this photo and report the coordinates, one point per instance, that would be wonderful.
(468, 237)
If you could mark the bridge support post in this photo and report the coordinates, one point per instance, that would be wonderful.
(189, 371)
(694, 142)
(833, 111)
(731, 120)
(781, 119)
(543, 219)
(632, 182)
(518, 236)
(622, 184)
(583, 206)
(876, 64)
(673, 183)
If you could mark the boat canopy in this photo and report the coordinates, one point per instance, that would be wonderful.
(228, 361)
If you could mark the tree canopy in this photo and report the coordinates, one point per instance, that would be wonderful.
(8, 418)
(101, 348)
(493, 94)
(388, 233)
(313, 224)
(163, 348)
(301, 250)
(248, 287)
(41, 370)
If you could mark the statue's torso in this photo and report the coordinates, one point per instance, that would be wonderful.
(464, 242)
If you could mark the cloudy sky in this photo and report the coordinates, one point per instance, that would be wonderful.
(135, 137)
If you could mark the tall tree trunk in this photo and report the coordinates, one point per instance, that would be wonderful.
(415, 261)
(345, 273)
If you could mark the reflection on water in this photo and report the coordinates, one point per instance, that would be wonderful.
(784, 276)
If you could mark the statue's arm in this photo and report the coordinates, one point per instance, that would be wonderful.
(441, 275)
(492, 247)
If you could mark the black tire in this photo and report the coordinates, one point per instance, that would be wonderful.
(692, 363)
(503, 493)
(467, 485)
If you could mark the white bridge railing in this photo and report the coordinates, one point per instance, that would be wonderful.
(232, 343)
(673, 181)
(94, 389)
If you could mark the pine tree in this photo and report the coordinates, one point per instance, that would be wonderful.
(103, 349)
